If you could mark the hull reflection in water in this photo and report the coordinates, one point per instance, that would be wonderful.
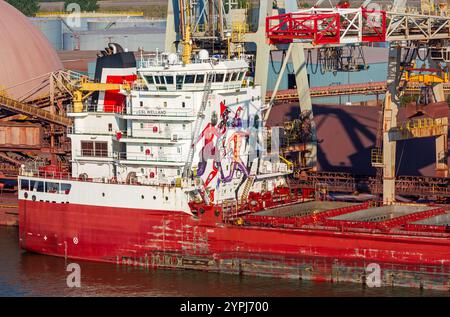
(28, 274)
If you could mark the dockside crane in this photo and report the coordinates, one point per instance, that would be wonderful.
(405, 31)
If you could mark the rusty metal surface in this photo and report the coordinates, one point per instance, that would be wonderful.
(347, 134)
(17, 134)
(32, 111)
(432, 110)
(371, 88)
(25, 55)
(349, 183)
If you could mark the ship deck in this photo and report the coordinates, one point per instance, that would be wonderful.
(383, 213)
(406, 219)
(304, 209)
(440, 220)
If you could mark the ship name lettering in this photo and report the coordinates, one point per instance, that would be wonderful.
(152, 112)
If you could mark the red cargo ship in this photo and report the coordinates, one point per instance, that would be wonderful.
(177, 175)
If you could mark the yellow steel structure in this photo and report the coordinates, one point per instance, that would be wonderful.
(419, 128)
(426, 77)
(289, 164)
(83, 89)
(239, 29)
(187, 41)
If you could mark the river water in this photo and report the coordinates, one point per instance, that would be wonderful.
(27, 274)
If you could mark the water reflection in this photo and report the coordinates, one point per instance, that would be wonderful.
(27, 274)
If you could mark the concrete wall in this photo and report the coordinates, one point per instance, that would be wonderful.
(95, 34)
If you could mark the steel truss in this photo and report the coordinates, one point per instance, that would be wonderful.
(322, 26)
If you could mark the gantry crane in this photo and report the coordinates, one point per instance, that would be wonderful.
(342, 27)
(318, 27)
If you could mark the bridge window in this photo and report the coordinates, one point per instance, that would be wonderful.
(228, 77)
(150, 80)
(241, 76)
(37, 186)
(219, 78)
(24, 184)
(52, 188)
(200, 79)
(157, 81)
(189, 79)
(65, 188)
(234, 76)
(180, 80)
(169, 80)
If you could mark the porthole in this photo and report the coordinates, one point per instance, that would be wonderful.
(154, 197)
(33, 198)
(142, 196)
(25, 195)
(103, 194)
(167, 198)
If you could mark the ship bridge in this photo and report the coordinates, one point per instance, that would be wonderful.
(165, 72)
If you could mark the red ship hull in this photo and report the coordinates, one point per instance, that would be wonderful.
(176, 240)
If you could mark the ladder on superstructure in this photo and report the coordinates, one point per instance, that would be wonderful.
(247, 187)
(198, 123)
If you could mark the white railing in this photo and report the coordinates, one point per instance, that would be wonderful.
(148, 134)
(143, 157)
(94, 108)
(95, 154)
(96, 131)
(161, 60)
(65, 176)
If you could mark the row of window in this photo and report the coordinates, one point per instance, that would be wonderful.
(45, 187)
(194, 79)
(183, 104)
(94, 149)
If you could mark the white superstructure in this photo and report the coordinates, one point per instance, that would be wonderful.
(193, 126)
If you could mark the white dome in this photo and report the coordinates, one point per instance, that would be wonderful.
(203, 55)
(172, 59)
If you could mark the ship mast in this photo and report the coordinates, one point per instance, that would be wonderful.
(187, 41)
